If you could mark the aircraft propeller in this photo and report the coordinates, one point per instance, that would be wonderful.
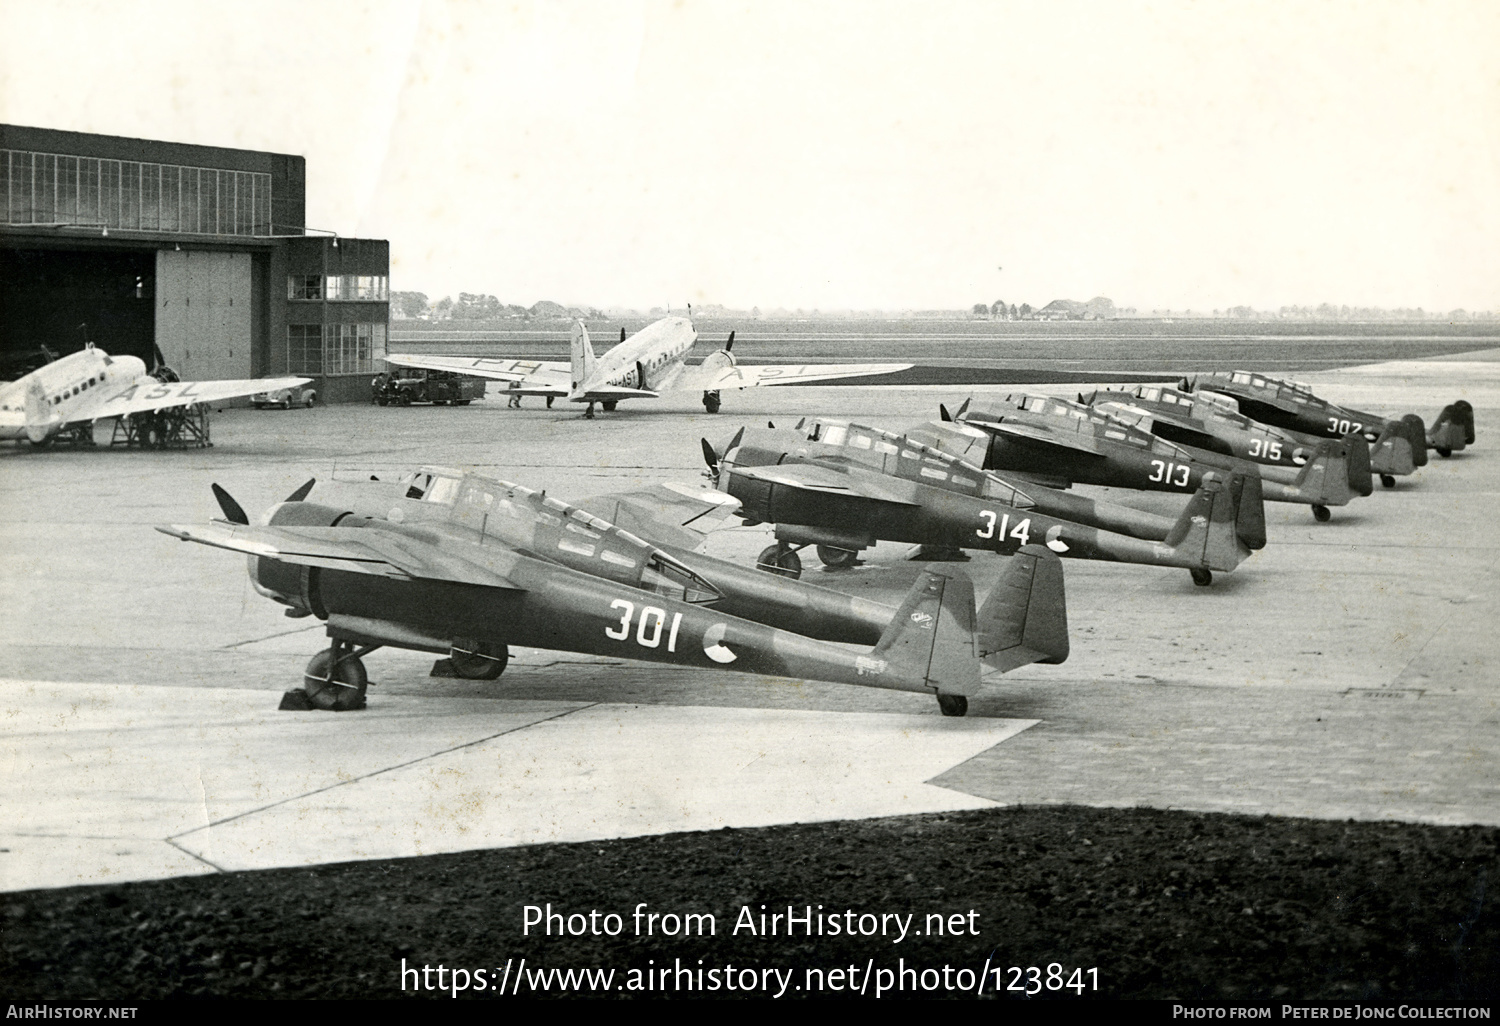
(963, 408)
(729, 346)
(944, 415)
(712, 459)
(233, 511)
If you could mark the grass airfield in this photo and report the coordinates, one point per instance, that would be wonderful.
(1341, 682)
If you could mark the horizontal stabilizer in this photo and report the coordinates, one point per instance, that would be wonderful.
(1025, 619)
(931, 637)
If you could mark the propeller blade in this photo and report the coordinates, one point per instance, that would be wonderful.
(962, 409)
(1081, 400)
(771, 424)
(710, 457)
(1185, 385)
(233, 512)
(301, 493)
(944, 414)
(729, 346)
(734, 443)
(622, 333)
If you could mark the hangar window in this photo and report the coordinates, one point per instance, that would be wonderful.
(304, 349)
(304, 286)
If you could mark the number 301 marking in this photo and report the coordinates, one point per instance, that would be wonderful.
(650, 614)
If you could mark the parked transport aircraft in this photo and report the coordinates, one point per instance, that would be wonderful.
(91, 385)
(642, 366)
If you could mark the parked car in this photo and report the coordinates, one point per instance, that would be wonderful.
(286, 398)
(407, 385)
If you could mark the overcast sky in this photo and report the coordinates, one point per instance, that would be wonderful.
(835, 155)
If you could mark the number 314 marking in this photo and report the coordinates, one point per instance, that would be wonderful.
(997, 529)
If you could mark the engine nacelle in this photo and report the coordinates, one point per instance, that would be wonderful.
(292, 585)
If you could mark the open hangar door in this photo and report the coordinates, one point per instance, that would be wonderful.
(62, 298)
(203, 313)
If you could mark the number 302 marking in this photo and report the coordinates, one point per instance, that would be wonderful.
(649, 627)
(1021, 532)
(1343, 427)
(1174, 474)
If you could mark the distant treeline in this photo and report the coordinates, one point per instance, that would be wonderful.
(473, 306)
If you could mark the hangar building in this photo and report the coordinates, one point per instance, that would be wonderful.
(199, 252)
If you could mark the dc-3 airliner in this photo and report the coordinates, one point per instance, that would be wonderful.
(642, 366)
(91, 385)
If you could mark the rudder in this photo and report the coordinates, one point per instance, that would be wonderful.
(1025, 618)
(583, 356)
(931, 637)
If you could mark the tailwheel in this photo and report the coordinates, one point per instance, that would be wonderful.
(1444, 453)
(952, 705)
(1387, 480)
(335, 678)
(478, 660)
(779, 560)
(711, 402)
(1322, 514)
(833, 556)
(1202, 578)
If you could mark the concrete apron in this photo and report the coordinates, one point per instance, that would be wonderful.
(108, 783)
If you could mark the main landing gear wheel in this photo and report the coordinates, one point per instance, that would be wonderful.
(1202, 578)
(833, 556)
(609, 406)
(711, 402)
(342, 689)
(779, 560)
(1387, 480)
(953, 705)
(1322, 514)
(478, 660)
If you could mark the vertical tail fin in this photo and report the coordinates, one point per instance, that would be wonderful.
(1326, 478)
(1250, 505)
(931, 637)
(1207, 532)
(1025, 619)
(1360, 481)
(1416, 433)
(1392, 452)
(1453, 429)
(583, 357)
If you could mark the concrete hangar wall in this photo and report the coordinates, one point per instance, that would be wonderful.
(199, 252)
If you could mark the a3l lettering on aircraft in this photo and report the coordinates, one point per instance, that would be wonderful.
(642, 366)
(91, 385)
(468, 565)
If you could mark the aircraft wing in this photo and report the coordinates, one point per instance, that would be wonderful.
(534, 377)
(710, 377)
(665, 514)
(813, 478)
(611, 393)
(364, 551)
(148, 394)
(1027, 432)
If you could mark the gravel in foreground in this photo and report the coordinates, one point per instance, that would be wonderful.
(1164, 904)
